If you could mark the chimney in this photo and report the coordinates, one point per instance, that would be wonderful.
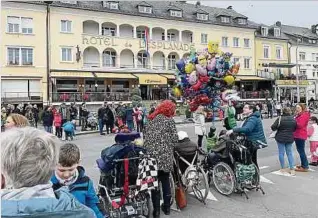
(230, 8)
(314, 28)
(278, 23)
(198, 3)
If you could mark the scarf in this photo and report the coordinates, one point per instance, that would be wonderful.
(69, 181)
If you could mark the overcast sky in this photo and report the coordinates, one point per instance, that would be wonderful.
(296, 13)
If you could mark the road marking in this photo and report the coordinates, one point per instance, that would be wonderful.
(311, 170)
(282, 174)
(209, 197)
(263, 179)
(263, 167)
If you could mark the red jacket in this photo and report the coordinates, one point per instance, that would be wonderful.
(302, 120)
(57, 120)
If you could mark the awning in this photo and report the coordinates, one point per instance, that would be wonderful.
(115, 75)
(151, 79)
(279, 65)
(254, 78)
(169, 76)
(72, 74)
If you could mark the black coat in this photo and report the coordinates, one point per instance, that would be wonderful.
(285, 129)
(47, 118)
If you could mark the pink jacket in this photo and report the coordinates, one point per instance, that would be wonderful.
(302, 121)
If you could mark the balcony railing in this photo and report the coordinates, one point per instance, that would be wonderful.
(90, 96)
(267, 75)
(89, 65)
(255, 94)
(21, 96)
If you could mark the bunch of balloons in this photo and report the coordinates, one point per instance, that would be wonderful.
(206, 78)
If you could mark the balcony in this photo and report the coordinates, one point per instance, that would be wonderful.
(254, 94)
(18, 97)
(90, 96)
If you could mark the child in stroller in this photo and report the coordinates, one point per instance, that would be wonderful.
(120, 167)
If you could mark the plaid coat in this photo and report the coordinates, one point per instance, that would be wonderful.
(160, 137)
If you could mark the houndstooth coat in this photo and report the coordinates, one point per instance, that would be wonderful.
(160, 137)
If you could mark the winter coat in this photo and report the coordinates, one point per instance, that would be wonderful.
(253, 128)
(186, 147)
(285, 129)
(42, 202)
(35, 114)
(47, 118)
(160, 138)
(83, 190)
(230, 121)
(101, 112)
(199, 124)
(129, 114)
(110, 115)
(57, 120)
(302, 120)
(73, 113)
(313, 133)
(68, 127)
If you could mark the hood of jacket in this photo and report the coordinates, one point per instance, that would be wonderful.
(81, 174)
(256, 114)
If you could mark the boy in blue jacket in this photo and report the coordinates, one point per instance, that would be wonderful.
(69, 173)
(69, 129)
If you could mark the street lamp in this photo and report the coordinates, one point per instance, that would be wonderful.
(96, 86)
(297, 71)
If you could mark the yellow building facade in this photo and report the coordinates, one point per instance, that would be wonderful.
(23, 53)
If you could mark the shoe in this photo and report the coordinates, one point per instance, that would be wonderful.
(283, 171)
(102, 134)
(165, 209)
(156, 213)
(313, 164)
(301, 169)
(292, 173)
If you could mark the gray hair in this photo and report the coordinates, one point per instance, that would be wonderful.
(28, 156)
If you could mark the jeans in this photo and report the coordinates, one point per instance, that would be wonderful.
(130, 125)
(48, 129)
(101, 125)
(282, 148)
(139, 126)
(163, 177)
(58, 131)
(83, 123)
(109, 127)
(270, 113)
(300, 145)
(69, 134)
(200, 138)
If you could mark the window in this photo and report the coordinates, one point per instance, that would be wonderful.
(246, 43)
(175, 13)
(109, 58)
(67, 54)
(235, 42)
(204, 38)
(315, 57)
(302, 56)
(225, 41)
(236, 60)
(172, 62)
(225, 19)
(309, 40)
(202, 16)
(264, 31)
(276, 32)
(241, 21)
(70, 2)
(314, 41)
(279, 52)
(247, 63)
(279, 71)
(171, 37)
(20, 56)
(145, 9)
(110, 5)
(266, 51)
(108, 31)
(141, 34)
(266, 69)
(66, 26)
(313, 73)
(142, 60)
(14, 24)
(303, 72)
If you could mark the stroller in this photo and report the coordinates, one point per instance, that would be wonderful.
(121, 190)
(92, 121)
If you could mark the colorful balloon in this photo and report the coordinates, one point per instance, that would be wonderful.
(193, 78)
(229, 79)
(189, 68)
(201, 70)
(181, 65)
(177, 92)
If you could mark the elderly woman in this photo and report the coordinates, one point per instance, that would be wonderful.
(160, 138)
(16, 120)
(28, 159)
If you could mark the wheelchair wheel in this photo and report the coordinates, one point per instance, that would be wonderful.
(201, 187)
(224, 179)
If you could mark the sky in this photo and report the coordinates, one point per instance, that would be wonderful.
(295, 13)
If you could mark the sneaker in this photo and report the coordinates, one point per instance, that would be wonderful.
(301, 169)
(102, 134)
(292, 173)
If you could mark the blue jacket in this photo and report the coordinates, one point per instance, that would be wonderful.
(129, 114)
(68, 127)
(83, 191)
(64, 205)
(253, 128)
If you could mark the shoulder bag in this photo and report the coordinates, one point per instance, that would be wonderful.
(273, 134)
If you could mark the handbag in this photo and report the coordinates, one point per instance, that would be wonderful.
(273, 134)
(181, 198)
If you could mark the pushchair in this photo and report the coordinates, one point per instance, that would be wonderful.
(119, 193)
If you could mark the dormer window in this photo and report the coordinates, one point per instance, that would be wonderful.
(110, 5)
(202, 16)
(241, 21)
(174, 13)
(145, 9)
(314, 41)
(225, 19)
(276, 32)
(264, 31)
(309, 40)
(70, 2)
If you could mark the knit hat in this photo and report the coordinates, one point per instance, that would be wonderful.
(182, 135)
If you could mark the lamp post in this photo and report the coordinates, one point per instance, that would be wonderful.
(47, 26)
(297, 71)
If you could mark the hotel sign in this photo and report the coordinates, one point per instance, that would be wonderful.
(112, 42)
(292, 82)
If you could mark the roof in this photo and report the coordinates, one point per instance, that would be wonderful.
(200, 11)
(270, 35)
(160, 10)
(299, 31)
